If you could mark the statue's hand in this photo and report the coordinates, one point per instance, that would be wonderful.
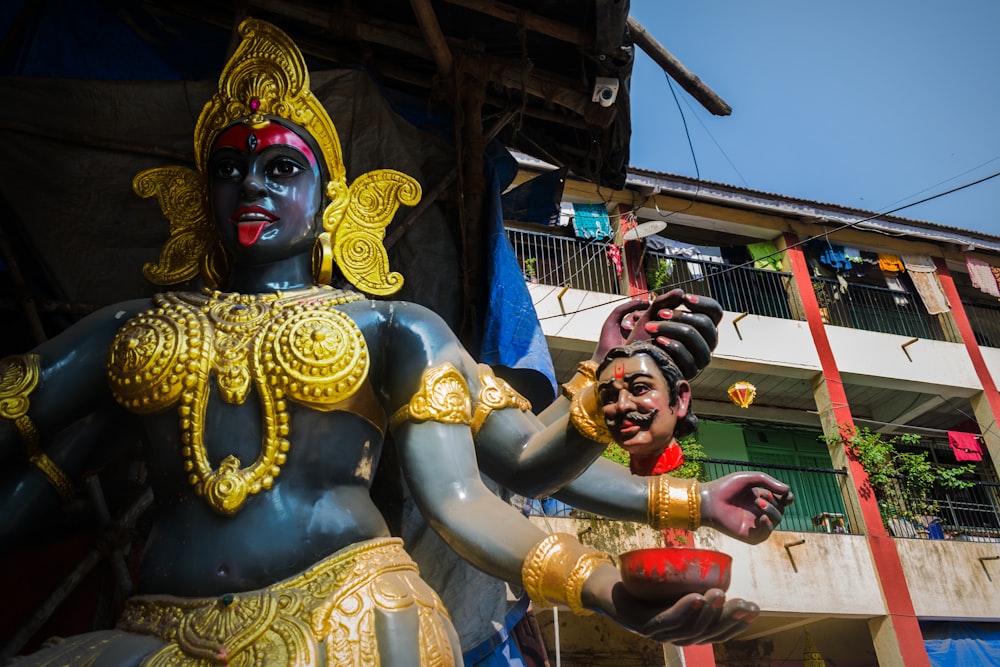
(693, 619)
(744, 505)
(684, 325)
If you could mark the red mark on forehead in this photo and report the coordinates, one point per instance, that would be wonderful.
(244, 138)
(619, 371)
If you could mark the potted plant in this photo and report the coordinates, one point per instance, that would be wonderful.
(529, 269)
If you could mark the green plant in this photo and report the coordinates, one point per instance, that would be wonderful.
(529, 267)
(657, 273)
(691, 468)
(903, 482)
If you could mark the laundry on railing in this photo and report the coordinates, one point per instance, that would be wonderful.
(923, 273)
(982, 276)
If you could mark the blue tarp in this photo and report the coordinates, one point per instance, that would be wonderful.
(960, 644)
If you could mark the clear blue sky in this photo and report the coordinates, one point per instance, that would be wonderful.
(871, 104)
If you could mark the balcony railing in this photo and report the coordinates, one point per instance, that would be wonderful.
(985, 321)
(875, 309)
(559, 260)
(739, 289)
(586, 265)
(971, 514)
(819, 495)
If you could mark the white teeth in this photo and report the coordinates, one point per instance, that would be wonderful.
(254, 217)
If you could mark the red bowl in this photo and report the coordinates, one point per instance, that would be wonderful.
(673, 572)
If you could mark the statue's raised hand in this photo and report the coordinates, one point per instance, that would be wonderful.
(744, 505)
(693, 619)
(684, 325)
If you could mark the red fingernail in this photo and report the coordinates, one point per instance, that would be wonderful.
(666, 314)
(650, 327)
(693, 298)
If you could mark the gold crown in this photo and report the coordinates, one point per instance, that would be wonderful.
(267, 77)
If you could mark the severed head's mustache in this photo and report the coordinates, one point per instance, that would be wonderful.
(640, 419)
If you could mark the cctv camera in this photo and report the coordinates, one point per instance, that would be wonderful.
(605, 91)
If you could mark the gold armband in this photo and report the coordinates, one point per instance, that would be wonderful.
(673, 503)
(587, 417)
(556, 569)
(585, 376)
(495, 394)
(443, 397)
(19, 377)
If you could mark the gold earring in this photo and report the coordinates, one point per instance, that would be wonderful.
(322, 259)
(215, 266)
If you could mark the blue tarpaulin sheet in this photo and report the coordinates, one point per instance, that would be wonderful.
(959, 644)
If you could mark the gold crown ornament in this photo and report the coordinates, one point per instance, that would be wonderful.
(267, 78)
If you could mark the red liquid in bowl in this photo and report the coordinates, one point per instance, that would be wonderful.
(673, 572)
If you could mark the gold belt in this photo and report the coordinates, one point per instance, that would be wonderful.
(328, 609)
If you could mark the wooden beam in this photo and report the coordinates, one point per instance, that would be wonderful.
(434, 37)
(677, 71)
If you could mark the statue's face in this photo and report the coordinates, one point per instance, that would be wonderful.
(635, 398)
(265, 191)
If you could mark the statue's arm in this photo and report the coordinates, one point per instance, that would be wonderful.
(54, 407)
(426, 375)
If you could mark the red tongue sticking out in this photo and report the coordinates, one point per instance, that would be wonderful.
(250, 232)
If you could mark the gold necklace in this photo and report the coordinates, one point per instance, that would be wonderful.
(297, 347)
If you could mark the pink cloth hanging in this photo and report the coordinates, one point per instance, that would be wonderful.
(981, 275)
(965, 445)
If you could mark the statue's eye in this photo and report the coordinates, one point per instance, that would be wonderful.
(283, 168)
(226, 169)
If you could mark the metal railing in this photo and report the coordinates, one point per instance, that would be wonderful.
(971, 514)
(739, 289)
(819, 495)
(875, 309)
(985, 321)
(560, 260)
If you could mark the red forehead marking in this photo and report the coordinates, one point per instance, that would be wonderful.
(239, 137)
(619, 371)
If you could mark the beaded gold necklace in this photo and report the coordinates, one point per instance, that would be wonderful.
(297, 346)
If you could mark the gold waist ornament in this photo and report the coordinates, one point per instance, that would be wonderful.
(296, 347)
(324, 616)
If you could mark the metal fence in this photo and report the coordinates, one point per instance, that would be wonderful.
(985, 321)
(819, 495)
(875, 309)
(739, 289)
(971, 514)
(560, 260)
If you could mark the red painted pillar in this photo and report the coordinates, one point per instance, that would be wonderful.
(889, 569)
(969, 338)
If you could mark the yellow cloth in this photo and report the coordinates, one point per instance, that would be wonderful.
(335, 613)
(888, 262)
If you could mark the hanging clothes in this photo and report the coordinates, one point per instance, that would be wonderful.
(834, 256)
(765, 256)
(923, 273)
(853, 255)
(982, 276)
(965, 446)
(591, 221)
(889, 262)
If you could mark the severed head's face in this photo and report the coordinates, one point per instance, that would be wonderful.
(639, 407)
(265, 190)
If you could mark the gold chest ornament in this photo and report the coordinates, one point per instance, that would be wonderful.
(296, 346)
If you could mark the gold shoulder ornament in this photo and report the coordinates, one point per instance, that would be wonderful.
(19, 376)
(265, 78)
(443, 397)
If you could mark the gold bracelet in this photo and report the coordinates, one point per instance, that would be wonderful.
(585, 376)
(556, 569)
(495, 394)
(19, 376)
(673, 503)
(587, 417)
(443, 397)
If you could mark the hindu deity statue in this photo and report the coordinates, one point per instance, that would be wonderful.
(265, 400)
